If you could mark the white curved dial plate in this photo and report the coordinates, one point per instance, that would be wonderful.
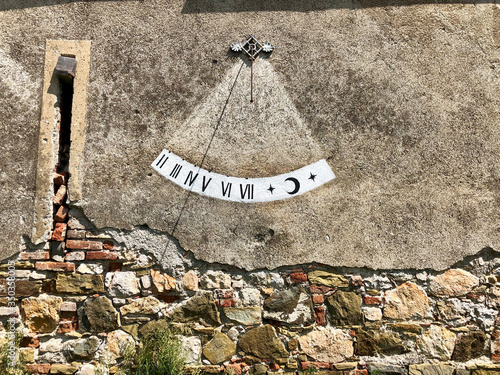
(244, 190)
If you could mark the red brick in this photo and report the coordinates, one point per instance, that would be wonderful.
(101, 255)
(108, 245)
(318, 299)
(75, 255)
(227, 302)
(76, 234)
(61, 178)
(316, 365)
(495, 357)
(320, 316)
(61, 214)
(59, 233)
(38, 368)
(274, 367)
(55, 266)
(35, 255)
(316, 289)
(65, 327)
(83, 245)
(60, 197)
(298, 277)
(372, 300)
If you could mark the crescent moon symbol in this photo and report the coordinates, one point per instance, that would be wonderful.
(297, 185)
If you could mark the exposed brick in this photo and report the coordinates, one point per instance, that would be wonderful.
(35, 255)
(61, 214)
(60, 196)
(75, 255)
(101, 255)
(38, 368)
(59, 233)
(65, 327)
(76, 234)
(68, 306)
(83, 245)
(55, 266)
(318, 299)
(372, 300)
(298, 277)
(495, 357)
(61, 178)
(227, 302)
(223, 293)
(316, 365)
(108, 245)
(274, 367)
(320, 316)
(316, 289)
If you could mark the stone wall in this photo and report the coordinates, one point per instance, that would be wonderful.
(90, 294)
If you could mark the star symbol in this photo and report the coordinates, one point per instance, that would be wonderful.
(312, 176)
(271, 188)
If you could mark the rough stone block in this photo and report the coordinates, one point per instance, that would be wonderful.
(38, 368)
(79, 284)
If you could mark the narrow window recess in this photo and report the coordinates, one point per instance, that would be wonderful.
(61, 139)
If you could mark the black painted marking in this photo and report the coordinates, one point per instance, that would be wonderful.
(190, 178)
(164, 161)
(271, 188)
(297, 185)
(175, 172)
(247, 192)
(312, 176)
(205, 185)
(226, 189)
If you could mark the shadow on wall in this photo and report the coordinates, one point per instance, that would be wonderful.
(21, 4)
(227, 6)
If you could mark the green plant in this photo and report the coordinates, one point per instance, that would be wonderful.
(310, 370)
(376, 372)
(159, 353)
(6, 367)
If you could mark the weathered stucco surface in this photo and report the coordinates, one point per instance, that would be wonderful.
(401, 100)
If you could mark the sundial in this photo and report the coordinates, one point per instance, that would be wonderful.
(199, 180)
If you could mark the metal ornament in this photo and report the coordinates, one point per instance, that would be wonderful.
(252, 47)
